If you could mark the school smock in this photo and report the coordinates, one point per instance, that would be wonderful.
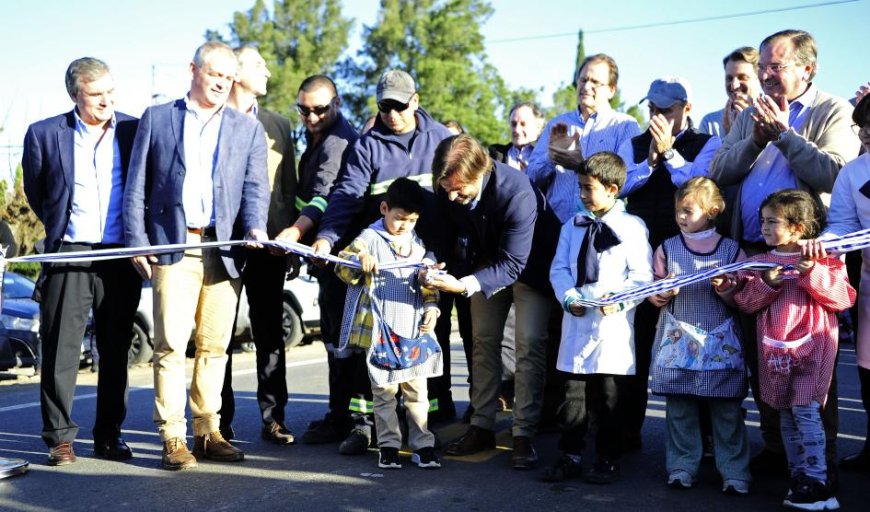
(797, 327)
(594, 343)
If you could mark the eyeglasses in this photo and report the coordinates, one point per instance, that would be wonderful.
(318, 111)
(384, 107)
(773, 69)
(583, 80)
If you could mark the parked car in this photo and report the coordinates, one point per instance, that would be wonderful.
(19, 332)
(301, 318)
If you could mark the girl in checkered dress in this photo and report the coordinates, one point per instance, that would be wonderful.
(796, 302)
(698, 362)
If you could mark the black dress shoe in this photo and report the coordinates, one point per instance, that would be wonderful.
(524, 455)
(112, 449)
(475, 440)
(859, 461)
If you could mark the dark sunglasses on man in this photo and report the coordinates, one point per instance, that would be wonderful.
(318, 111)
(384, 107)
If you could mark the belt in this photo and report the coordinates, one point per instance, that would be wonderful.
(203, 231)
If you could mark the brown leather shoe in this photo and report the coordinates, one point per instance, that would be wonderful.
(475, 440)
(176, 455)
(61, 454)
(278, 434)
(214, 447)
(524, 456)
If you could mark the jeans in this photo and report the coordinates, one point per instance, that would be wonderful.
(730, 439)
(803, 437)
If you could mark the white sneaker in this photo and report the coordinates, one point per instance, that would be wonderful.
(680, 479)
(735, 487)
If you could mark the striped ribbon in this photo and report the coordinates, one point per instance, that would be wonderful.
(129, 252)
(837, 245)
(840, 244)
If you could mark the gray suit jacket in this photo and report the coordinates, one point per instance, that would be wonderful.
(153, 210)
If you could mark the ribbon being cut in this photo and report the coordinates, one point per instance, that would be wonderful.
(841, 244)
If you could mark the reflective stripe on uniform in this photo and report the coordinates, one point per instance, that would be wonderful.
(361, 405)
(300, 203)
(425, 180)
(433, 404)
(318, 202)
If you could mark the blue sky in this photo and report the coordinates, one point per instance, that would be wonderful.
(148, 45)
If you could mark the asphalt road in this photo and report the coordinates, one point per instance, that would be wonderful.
(318, 478)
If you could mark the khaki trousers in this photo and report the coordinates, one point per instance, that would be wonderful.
(416, 412)
(195, 292)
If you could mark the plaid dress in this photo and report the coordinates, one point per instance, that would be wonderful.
(401, 299)
(697, 316)
(797, 327)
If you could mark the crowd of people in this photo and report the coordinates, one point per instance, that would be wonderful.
(513, 237)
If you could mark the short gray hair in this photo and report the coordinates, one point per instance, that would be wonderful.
(208, 47)
(85, 69)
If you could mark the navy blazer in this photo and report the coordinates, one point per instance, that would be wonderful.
(49, 175)
(153, 209)
(511, 233)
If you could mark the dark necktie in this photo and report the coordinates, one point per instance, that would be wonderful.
(601, 238)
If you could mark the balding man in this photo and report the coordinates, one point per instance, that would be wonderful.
(328, 135)
(793, 136)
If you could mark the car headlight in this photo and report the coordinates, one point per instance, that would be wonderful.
(20, 323)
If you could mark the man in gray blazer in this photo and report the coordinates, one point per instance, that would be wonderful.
(197, 173)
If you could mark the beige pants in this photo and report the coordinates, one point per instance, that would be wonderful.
(417, 413)
(195, 292)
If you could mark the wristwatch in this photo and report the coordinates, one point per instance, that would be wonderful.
(668, 154)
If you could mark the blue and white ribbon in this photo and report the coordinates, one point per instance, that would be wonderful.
(836, 245)
(129, 252)
(841, 244)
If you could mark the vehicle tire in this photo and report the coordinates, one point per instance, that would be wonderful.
(291, 324)
(140, 348)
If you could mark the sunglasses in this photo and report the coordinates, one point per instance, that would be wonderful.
(318, 111)
(384, 107)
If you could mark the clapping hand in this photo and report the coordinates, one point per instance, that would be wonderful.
(563, 148)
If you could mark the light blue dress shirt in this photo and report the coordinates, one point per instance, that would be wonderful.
(771, 171)
(98, 188)
(603, 131)
(201, 133)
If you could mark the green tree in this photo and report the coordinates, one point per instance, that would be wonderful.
(440, 44)
(565, 98)
(298, 38)
(25, 227)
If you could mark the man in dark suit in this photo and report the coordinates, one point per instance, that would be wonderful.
(511, 238)
(197, 174)
(75, 165)
(264, 272)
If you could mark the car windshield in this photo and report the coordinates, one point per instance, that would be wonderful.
(16, 286)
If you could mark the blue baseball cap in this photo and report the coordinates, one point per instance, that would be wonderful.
(664, 92)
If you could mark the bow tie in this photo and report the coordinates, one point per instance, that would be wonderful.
(601, 238)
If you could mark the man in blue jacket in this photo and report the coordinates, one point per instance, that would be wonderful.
(197, 174)
(511, 238)
(75, 165)
(401, 144)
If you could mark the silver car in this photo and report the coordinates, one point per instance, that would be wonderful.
(301, 318)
